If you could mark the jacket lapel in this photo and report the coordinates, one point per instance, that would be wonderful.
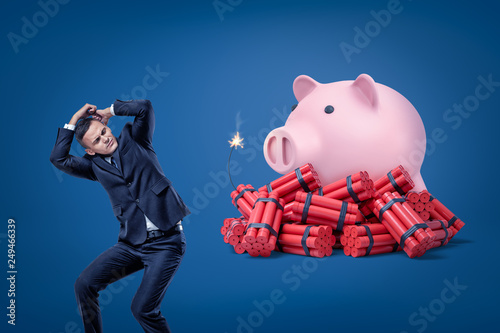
(99, 160)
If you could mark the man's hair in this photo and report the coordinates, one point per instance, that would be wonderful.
(81, 128)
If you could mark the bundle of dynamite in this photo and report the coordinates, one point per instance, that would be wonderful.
(420, 203)
(294, 214)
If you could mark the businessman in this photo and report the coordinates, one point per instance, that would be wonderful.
(143, 200)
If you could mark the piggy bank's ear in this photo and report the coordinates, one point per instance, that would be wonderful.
(366, 86)
(303, 86)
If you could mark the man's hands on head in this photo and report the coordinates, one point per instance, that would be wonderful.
(84, 112)
(91, 110)
(103, 115)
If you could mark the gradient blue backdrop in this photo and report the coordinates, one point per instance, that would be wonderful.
(244, 61)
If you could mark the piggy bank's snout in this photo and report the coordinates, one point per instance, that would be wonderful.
(279, 150)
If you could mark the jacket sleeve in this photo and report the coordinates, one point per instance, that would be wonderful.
(144, 122)
(80, 167)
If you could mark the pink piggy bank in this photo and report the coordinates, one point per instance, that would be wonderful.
(348, 126)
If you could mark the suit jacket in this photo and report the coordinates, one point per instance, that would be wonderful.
(139, 185)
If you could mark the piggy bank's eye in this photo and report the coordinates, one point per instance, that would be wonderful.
(294, 106)
(329, 109)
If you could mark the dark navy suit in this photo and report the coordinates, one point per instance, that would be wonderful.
(137, 186)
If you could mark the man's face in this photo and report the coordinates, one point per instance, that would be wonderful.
(99, 139)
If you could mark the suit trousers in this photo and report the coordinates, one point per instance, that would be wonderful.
(160, 258)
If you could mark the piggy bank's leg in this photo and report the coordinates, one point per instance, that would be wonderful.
(419, 183)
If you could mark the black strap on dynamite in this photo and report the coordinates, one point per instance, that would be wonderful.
(370, 237)
(351, 191)
(268, 227)
(269, 188)
(343, 212)
(395, 248)
(301, 180)
(304, 240)
(387, 206)
(410, 232)
(238, 197)
(394, 184)
(280, 207)
(446, 232)
(320, 191)
(452, 221)
(305, 211)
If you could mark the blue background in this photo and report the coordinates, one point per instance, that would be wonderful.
(244, 61)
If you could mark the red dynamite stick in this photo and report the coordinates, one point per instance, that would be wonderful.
(296, 240)
(343, 240)
(343, 182)
(276, 227)
(333, 240)
(429, 206)
(319, 253)
(419, 207)
(328, 251)
(384, 180)
(255, 217)
(350, 241)
(265, 253)
(227, 222)
(405, 217)
(223, 230)
(436, 224)
(299, 229)
(253, 253)
(288, 177)
(347, 250)
(342, 193)
(424, 196)
(322, 213)
(247, 246)
(396, 229)
(233, 239)
(238, 248)
(267, 218)
(257, 246)
(355, 252)
(375, 229)
(326, 202)
(378, 240)
(424, 215)
(412, 197)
